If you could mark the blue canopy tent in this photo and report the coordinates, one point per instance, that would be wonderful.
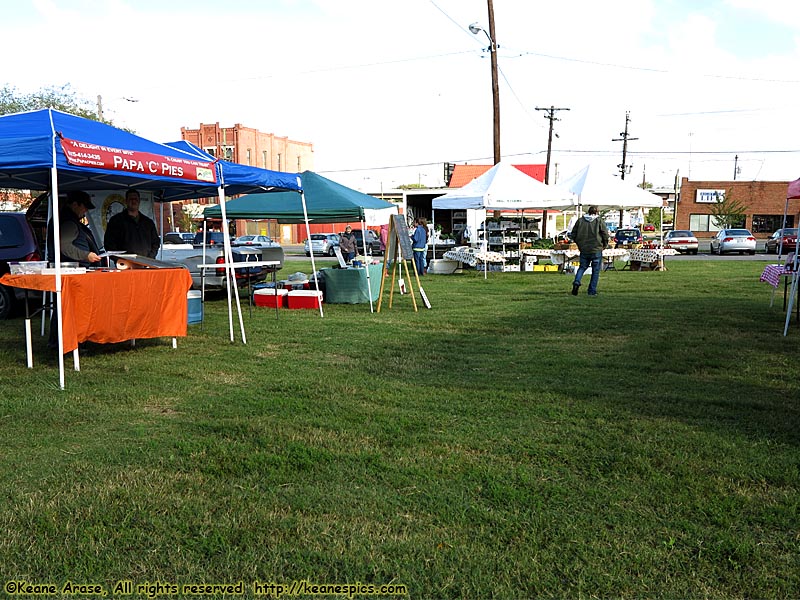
(240, 179)
(52, 150)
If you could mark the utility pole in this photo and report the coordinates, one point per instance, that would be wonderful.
(624, 166)
(624, 139)
(550, 116)
(495, 83)
(735, 166)
(474, 29)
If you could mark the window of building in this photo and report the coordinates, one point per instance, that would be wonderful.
(703, 223)
(248, 157)
(770, 223)
(298, 164)
(266, 164)
(227, 153)
(708, 223)
(279, 162)
(212, 150)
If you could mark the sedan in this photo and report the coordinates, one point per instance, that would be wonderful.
(323, 243)
(681, 240)
(648, 227)
(774, 242)
(256, 241)
(733, 240)
(625, 237)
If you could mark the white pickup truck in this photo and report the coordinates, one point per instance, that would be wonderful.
(193, 255)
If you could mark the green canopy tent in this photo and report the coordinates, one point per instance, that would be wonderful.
(325, 202)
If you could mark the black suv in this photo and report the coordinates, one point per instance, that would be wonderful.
(373, 242)
(17, 244)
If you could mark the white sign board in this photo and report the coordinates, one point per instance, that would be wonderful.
(709, 196)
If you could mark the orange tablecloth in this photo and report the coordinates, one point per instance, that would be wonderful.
(114, 306)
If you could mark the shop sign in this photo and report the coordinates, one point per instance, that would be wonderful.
(709, 196)
(84, 154)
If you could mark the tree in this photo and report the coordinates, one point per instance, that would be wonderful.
(61, 98)
(728, 211)
(654, 216)
(645, 185)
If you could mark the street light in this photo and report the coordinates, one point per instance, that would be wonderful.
(474, 29)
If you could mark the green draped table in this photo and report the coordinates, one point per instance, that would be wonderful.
(349, 286)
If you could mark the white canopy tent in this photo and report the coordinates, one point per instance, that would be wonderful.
(590, 186)
(503, 187)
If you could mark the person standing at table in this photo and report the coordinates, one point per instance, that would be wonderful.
(384, 237)
(77, 240)
(419, 244)
(591, 236)
(132, 231)
(348, 244)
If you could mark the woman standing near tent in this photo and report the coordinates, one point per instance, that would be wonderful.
(347, 244)
(419, 243)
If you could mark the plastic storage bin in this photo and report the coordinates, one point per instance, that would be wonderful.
(194, 299)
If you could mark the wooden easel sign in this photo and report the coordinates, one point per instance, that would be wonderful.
(398, 253)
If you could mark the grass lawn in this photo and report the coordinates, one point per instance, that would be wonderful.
(514, 441)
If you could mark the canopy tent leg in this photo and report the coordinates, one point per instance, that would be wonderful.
(311, 248)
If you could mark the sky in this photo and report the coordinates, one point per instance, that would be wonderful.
(387, 91)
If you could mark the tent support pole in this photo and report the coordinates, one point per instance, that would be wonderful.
(364, 240)
(311, 248)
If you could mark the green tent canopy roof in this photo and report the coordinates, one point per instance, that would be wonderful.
(326, 202)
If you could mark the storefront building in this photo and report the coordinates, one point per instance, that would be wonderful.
(764, 204)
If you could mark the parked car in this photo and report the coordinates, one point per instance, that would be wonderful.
(627, 236)
(681, 240)
(322, 243)
(177, 237)
(733, 240)
(257, 241)
(789, 241)
(373, 241)
(648, 227)
(212, 238)
(17, 244)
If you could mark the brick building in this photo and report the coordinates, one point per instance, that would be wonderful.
(248, 146)
(765, 202)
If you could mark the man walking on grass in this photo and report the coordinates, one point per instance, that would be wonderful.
(591, 235)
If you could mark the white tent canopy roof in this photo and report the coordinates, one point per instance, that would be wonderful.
(503, 187)
(591, 186)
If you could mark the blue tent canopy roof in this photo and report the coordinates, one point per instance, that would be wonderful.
(243, 179)
(326, 202)
(26, 157)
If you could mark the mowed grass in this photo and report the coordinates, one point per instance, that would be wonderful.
(514, 441)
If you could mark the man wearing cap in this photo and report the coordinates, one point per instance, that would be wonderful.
(77, 242)
(132, 231)
(591, 236)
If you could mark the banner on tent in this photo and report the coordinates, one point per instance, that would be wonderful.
(84, 154)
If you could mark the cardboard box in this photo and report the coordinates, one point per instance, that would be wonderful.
(270, 297)
(304, 299)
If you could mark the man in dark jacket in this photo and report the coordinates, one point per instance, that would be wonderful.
(132, 231)
(591, 236)
(76, 239)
